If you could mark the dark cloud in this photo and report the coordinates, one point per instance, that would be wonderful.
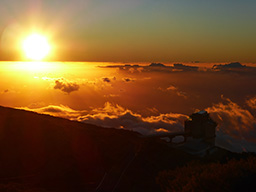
(179, 67)
(157, 65)
(106, 79)
(66, 86)
(4, 91)
(229, 66)
(182, 67)
(8, 91)
(127, 79)
(235, 68)
(154, 67)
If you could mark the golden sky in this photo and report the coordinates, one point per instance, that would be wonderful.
(133, 31)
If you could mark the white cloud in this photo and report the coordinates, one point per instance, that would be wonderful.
(236, 126)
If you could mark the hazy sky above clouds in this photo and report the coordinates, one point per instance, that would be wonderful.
(141, 30)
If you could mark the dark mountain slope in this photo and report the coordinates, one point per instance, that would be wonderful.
(56, 153)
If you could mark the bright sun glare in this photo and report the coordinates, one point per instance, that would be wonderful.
(36, 47)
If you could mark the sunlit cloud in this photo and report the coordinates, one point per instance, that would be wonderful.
(58, 111)
(171, 88)
(153, 110)
(236, 126)
(115, 116)
(251, 102)
(175, 90)
(111, 95)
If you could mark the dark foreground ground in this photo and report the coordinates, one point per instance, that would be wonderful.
(48, 154)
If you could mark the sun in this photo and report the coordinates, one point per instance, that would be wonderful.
(36, 47)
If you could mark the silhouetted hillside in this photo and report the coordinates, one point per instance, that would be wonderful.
(57, 154)
(49, 154)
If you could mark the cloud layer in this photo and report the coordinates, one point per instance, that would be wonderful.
(236, 129)
(236, 126)
(58, 111)
(116, 116)
(112, 115)
(155, 67)
(179, 67)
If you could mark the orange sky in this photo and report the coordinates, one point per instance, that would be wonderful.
(133, 31)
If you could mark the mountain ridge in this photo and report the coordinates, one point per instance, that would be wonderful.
(40, 152)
